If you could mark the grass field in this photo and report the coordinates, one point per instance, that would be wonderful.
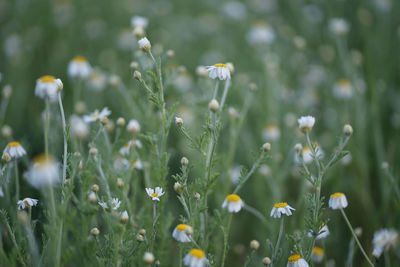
(200, 133)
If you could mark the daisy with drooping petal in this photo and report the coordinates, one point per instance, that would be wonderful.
(317, 254)
(97, 115)
(233, 202)
(43, 172)
(306, 123)
(182, 233)
(115, 204)
(26, 203)
(383, 239)
(79, 67)
(219, 71)
(195, 258)
(338, 201)
(15, 150)
(281, 208)
(47, 87)
(296, 261)
(155, 194)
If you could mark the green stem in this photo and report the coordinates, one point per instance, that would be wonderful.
(46, 128)
(224, 94)
(64, 124)
(356, 238)
(16, 179)
(252, 170)
(226, 236)
(21, 259)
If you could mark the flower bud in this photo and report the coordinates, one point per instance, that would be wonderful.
(213, 105)
(6, 131)
(95, 231)
(134, 65)
(137, 75)
(120, 183)
(266, 261)
(121, 122)
(266, 147)
(178, 122)
(60, 85)
(80, 165)
(197, 195)
(348, 130)
(95, 188)
(6, 157)
(115, 80)
(80, 107)
(184, 161)
(358, 231)
(139, 31)
(254, 244)
(170, 53)
(189, 230)
(139, 238)
(385, 165)
(92, 197)
(124, 217)
(144, 44)
(178, 187)
(7, 91)
(93, 151)
(298, 147)
(148, 257)
(142, 232)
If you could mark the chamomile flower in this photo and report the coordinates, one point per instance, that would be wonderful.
(15, 150)
(306, 153)
(79, 128)
(338, 201)
(137, 164)
(343, 89)
(306, 123)
(79, 67)
(126, 149)
(47, 87)
(281, 208)
(182, 233)
(195, 258)
(43, 172)
(296, 261)
(233, 202)
(155, 194)
(271, 133)
(339, 26)
(114, 204)
(322, 233)
(260, 34)
(133, 127)
(383, 239)
(144, 44)
(317, 254)
(97, 80)
(139, 21)
(97, 115)
(219, 71)
(26, 203)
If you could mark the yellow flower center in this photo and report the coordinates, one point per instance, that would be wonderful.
(280, 205)
(79, 59)
(318, 251)
(220, 65)
(47, 79)
(181, 227)
(41, 159)
(13, 144)
(337, 195)
(198, 253)
(343, 82)
(96, 115)
(232, 198)
(294, 258)
(154, 195)
(126, 145)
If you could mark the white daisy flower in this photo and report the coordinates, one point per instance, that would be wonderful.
(219, 71)
(124, 217)
(155, 194)
(47, 87)
(306, 123)
(126, 149)
(296, 261)
(133, 127)
(182, 233)
(281, 208)
(233, 203)
(79, 67)
(271, 133)
(322, 233)
(337, 201)
(383, 239)
(317, 254)
(339, 26)
(97, 115)
(15, 150)
(138, 21)
(26, 203)
(343, 89)
(144, 44)
(307, 154)
(195, 258)
(115, 204)
(137, 164)
(260, 34)
(79, 128)
(43, 172)
(121, 164)
(97, 80)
